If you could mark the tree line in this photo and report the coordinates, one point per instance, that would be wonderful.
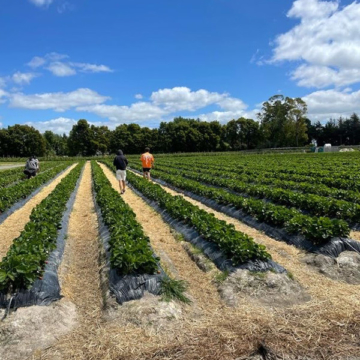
(282, 122)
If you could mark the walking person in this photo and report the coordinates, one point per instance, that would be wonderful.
(121, 162)
(31, 167)
(147, 161)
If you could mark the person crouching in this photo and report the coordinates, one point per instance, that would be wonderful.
(31, 167)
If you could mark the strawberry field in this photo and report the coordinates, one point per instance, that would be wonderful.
(258, 252)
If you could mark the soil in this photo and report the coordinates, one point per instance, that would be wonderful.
(32, 328)
(200, 259)
(268, 288)
(12, 226)
(345, 267)
(355, 235)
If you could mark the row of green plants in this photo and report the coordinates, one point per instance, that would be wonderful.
(273, 181)
(348, 172)
(10, 195)
(236, 245)
(129, 246)
(312, 203)
(347, 164)
(252, 172)
(9, 177)
(27, 256)
(319, 230)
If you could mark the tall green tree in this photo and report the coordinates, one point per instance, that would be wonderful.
(296, 116)
(22, 141)
(55, 144)
(80, 139)
(283, 121)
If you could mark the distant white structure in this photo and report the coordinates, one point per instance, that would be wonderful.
(327, 148)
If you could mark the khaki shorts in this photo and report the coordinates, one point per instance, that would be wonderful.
(121, 175)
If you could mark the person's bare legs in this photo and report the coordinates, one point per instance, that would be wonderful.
(148, 175)
(123, 185)
(120, 186)
(144, 175)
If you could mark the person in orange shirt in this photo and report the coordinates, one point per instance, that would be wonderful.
(147, 161)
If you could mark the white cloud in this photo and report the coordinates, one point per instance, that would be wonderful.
(164, 104)
(57, 101)
(327, 42)
(59, 66)
(3, 94)
(138, 96)
(61, 69)
(322, 76)
(60, 125)
(325, 104)
(2, 82)
(36, 61)
(232, 104)
(41, 3)
(54, 56)
(312, 9)
(182, 98)
(91, 68)
(222, 116)
(140, 111)
(23, 78)
(66, 6)
(1, 125)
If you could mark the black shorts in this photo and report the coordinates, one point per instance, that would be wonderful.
(30, 172)
(146, 169)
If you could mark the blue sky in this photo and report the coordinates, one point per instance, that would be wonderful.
(114, 61)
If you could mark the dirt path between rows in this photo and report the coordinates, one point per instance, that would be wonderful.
(355, 235)
(11, 228)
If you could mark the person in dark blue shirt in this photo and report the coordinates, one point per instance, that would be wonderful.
(120, 162)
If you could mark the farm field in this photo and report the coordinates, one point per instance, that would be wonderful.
(223, 256)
